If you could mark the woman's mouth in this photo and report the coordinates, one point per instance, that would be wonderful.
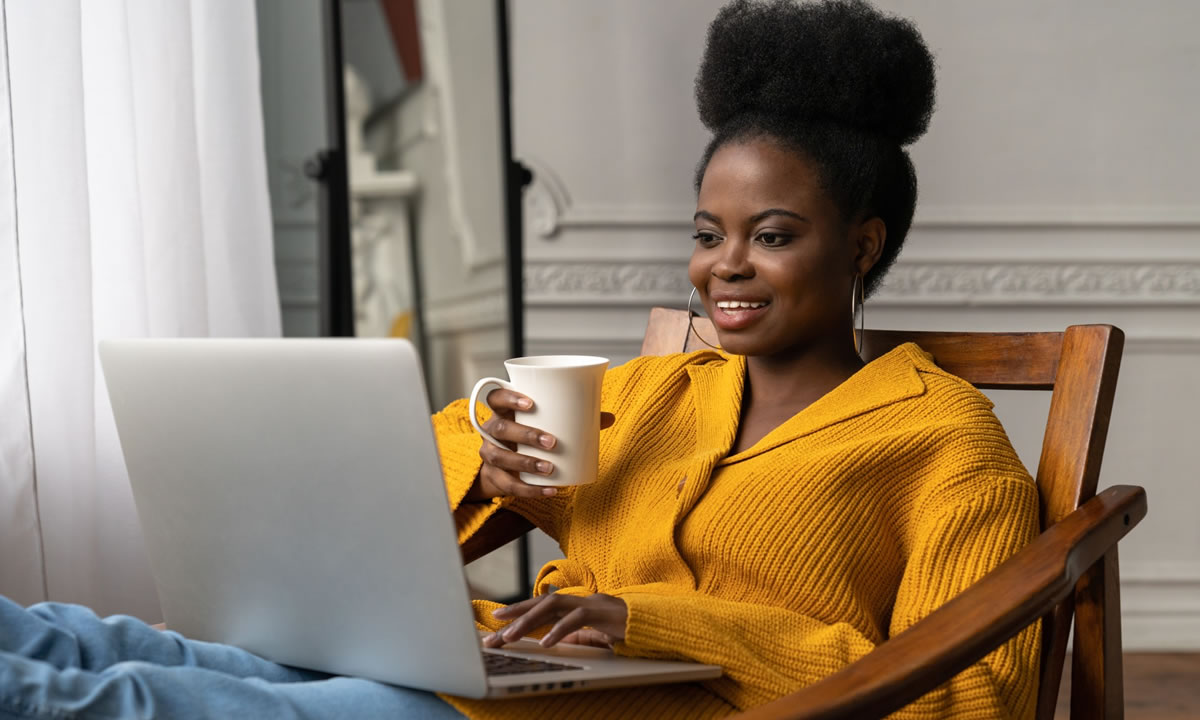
(737, 314)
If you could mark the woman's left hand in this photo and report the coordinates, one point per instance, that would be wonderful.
(593, 620)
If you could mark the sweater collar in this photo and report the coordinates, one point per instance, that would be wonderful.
(719, 386)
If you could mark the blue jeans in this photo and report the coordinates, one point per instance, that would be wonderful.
(61, 661)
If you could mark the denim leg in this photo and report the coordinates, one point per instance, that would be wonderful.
(61, 661)
(72, 636)
(32, 690)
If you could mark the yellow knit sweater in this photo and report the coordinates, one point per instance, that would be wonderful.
(783, 563)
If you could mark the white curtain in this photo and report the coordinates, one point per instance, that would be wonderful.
(133, 202)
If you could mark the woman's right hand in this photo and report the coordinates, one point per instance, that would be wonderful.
(502, 465)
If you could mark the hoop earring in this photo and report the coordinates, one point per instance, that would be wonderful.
(691, 327)
(858, 308)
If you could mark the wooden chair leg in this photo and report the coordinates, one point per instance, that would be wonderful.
(1097, 689)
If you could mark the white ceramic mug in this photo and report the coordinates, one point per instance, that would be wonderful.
(565, 390)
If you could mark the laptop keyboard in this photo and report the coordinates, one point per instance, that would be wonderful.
(496, 664)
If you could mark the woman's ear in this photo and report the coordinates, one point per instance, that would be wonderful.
(869, 238)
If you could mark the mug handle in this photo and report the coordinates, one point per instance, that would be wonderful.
(474, 401)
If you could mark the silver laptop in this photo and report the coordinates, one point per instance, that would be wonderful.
(292, 503)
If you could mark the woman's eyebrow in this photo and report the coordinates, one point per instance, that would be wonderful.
(770, 212)
(756, 218)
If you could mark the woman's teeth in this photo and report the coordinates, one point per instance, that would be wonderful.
(739, 305)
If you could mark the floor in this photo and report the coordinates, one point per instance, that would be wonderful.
(1158, 686)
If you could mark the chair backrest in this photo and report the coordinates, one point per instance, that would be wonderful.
(1078, 365)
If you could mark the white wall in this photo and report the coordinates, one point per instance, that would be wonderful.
(1058, 186)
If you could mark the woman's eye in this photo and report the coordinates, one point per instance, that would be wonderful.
(706, 239)
(773, 239)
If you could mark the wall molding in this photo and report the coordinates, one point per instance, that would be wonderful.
(551, 211)
(1161, 632)
(1127, 282)
(579, 282)
(1058, 216)
(971, 282)
(1160, 605)
(546, 200)
(1159, 572)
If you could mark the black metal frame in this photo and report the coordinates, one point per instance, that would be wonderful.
(516, 178)
(335, 261)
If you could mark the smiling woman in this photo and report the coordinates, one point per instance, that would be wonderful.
(805, 193)
(777, 508)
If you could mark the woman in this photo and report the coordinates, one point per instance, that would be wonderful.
(777, 507)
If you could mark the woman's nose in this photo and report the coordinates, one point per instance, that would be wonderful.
(734, 261)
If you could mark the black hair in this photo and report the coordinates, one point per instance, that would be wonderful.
(836, 81)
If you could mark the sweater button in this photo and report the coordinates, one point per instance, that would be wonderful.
(679, 487)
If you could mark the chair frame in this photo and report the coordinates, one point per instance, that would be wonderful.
(1069, 571)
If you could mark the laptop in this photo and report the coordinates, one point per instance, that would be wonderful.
(292, 503)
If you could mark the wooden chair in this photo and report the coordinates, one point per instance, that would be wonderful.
(1069, 570)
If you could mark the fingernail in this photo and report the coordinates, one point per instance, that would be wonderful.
(500, 610)
(544, 467)
(525, 403)
(549, 491)
(547, 441)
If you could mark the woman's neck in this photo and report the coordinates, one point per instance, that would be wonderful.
(776, 388)
(802, 377)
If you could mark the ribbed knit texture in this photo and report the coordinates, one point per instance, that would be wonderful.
(785, 562)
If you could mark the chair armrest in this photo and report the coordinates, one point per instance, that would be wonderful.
(499, 530)
(981, 618)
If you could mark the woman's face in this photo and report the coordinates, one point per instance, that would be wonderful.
(774, 261)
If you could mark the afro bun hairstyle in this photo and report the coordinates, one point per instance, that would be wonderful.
(835, 80)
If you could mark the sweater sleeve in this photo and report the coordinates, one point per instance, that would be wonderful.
(768, 652)
(458, 448)
(956, 547)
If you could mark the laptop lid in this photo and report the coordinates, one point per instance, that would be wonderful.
(231, 445)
